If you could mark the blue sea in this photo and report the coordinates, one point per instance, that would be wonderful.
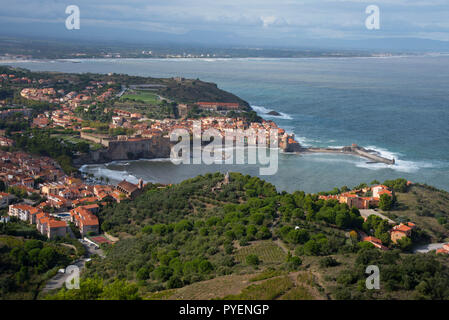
(398, 106)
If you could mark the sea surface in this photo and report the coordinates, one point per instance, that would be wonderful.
(398, 106)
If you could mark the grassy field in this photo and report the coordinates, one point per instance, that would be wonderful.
(267, 274)
(252, 286)
(298, 293)
(423, 207)
(206, 290)
(267, 290)
(267, 251)
(146, 103)
(142, 96)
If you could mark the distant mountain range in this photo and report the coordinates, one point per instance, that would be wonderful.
(122, 37)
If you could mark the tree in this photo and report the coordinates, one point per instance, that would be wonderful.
(143, 274)
(120, 290)
(22, 275)
(385, 202)
(252, 260)
(32, 244)
(311, 248)
(205, 266)
(298, 236)
(47, 258)
(174, 282)
(328, 262)
(405, 243)
(162, 273)
(293, 262)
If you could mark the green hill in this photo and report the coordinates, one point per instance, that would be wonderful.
(203, 233)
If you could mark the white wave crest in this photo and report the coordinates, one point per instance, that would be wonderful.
(264, 112)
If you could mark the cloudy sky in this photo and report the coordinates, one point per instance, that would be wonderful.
(264, 22)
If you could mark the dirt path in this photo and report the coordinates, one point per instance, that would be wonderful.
(282, 245)
(276, 240)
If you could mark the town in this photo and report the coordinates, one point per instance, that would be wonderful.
(66, 199)
(54, 200)
(117, 133)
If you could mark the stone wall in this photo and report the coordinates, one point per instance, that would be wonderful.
(148, 148)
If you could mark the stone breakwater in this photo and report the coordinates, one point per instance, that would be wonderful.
(354, 150)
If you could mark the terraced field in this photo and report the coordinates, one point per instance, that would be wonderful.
(267, 251)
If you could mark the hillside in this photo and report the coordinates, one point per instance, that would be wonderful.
(427, 207)
(208, 239)
(196, 90)
(28, 261)
(179, 90)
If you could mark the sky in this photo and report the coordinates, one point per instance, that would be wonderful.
(290, 23)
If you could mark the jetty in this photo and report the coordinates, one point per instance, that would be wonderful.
(354, 150)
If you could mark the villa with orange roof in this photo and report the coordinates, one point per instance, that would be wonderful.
(376, 242)
(355, 198)
(400, 231)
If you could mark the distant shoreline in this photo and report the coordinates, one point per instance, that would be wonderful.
(80, 59)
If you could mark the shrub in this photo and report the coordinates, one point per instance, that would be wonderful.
(328, 262)
(252, 259)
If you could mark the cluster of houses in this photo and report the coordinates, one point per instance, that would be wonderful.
(365, 198)
(397, 233)
(21, 169)
(12, 78)
(66, 199)
(45, 94)
(135, 121)
(45, 224)
(92, 93)
(83, 201)
(98, 91)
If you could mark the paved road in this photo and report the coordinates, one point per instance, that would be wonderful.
(367, 212)
(428, 247)
(91, 249)
(59, 279)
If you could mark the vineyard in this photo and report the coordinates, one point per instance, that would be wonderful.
(267, 251)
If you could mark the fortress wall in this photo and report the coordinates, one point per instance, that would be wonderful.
(150, 148)
(156, 147)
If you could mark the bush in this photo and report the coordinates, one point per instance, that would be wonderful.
(252, 260)
(174, 282)
(328, 262)
(293, 263)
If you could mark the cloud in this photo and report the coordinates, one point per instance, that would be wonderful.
(273, 21)
(259, 19)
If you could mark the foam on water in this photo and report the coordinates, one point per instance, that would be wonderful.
(101, 171)
(262, 111)
(400, 165)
